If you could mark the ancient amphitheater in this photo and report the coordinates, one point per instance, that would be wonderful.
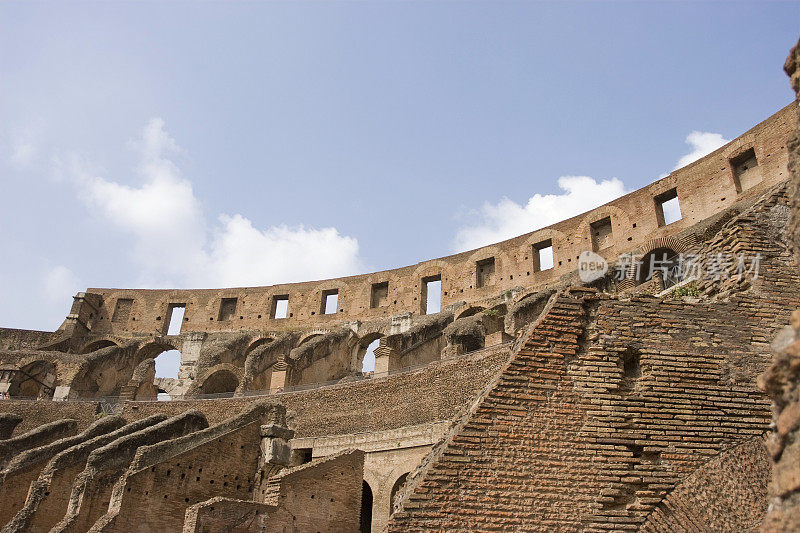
(533, 399)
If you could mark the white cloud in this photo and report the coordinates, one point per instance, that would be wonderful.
(244, 255)
(702, 143)
(507, 218)
(22, 153)
(58, 282)
(174, 245)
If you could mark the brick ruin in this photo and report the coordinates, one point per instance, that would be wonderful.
(531, 399)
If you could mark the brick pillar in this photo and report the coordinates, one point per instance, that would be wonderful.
(276, 453)
(383, 355)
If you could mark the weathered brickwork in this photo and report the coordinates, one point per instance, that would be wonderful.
(48, 497)
(617, 399)
(318, 496)
(531, 401)
(728, 493)
(782, 380)
(24, 468)
(436, 391)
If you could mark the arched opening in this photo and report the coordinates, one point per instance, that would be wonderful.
(163, 396)
(34, 380)
(308, 338)
(222, 383)
(368, 362)
(396, 488)
(258, 343)
(469, 311)
(363, 362)
(97, 345)
(366, 508)
(662, 266)
(168, 363)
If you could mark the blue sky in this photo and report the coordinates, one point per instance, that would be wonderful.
(209, 144)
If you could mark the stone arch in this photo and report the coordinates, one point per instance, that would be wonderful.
(105, 372)
(678, 245)
(155, 350)
(360, 350)
(619, 220)
(35, 379)
(650, 266)
(142, 384)
(727, 493)
(97, 344)
(429, 268)
(558, 240)
(257, 343)
(261, 358)
(221, 380)
(310, 335)
(397, 488)
(470, 311)
(366, 508)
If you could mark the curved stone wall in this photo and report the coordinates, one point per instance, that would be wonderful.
(704, 188)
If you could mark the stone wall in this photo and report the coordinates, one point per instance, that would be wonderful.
(319, 496)
(782, 380)
(704, 188)
(728, 493)
(621, 399)
(434, 392)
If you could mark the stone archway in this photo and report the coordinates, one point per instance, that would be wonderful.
(366, 508)
(220, 381)
(97, 344)
(33, 380)
(396, 489)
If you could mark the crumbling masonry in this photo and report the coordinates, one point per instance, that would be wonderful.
(535, 398)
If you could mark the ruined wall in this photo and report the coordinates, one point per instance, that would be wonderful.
(92, 488)
(435, 392)
(622, 399)
(47, 497)
(319, 496)
(36, 413)
(704, 188)
(24, 468)
(166, 478)
(728, 493)
(781, 381)
(22, 339)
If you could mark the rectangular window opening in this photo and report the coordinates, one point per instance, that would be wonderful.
(380, 294)
(330, 302)
(431, 295)
(175, 318)
(602, 235)
(122, 310)
(543, 255)
(745, 170)
(227, 309)
(668, 209)
(301, 456)
(280, 306)
(485, 272)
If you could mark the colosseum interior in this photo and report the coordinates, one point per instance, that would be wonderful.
(530, 397)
